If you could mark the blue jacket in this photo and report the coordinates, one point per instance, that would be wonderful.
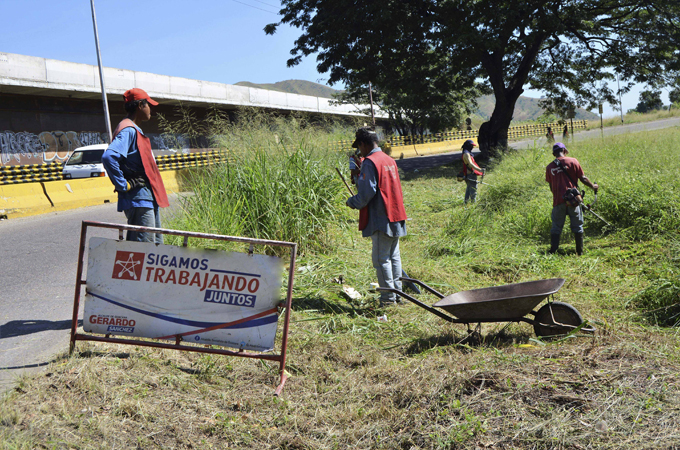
(122, 161)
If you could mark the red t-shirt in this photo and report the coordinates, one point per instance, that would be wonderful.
(559, 182)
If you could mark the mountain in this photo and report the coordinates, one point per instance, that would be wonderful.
(526, 108)
(301, 87)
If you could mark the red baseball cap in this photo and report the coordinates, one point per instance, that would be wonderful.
(138, 94)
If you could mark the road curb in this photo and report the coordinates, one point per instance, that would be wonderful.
(30, 199)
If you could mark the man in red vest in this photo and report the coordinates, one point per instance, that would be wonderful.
(382, 216)
(132, 169)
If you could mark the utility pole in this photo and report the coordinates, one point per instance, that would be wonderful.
(601, 122)
(101, 74)
(370, 96)
(620, 103)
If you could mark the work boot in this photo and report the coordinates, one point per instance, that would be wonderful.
(554, 243)
(579, 243)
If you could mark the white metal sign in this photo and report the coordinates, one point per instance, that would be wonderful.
(163, 291)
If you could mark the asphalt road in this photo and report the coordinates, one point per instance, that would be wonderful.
(609, 131)
(39, 255)
(37, 284)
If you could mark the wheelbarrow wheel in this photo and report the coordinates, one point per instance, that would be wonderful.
(547, 323)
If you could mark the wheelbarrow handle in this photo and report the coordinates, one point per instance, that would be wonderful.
(428, 288)
(421, 304)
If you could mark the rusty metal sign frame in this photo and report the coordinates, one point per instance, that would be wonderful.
(286, 304)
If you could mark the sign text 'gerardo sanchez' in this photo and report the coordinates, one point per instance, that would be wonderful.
(161, 291)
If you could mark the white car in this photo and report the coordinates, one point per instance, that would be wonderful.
(85, 162)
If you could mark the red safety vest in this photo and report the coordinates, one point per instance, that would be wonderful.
(149, 163)
(390, 189)
(465, 167)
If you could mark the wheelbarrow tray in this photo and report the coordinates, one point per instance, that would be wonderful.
(499, 303)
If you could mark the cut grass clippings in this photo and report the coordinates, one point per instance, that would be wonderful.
(414, 381)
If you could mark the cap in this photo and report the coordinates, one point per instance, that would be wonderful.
(363, 134)
(559, 147)
(132, 95)
(469, 144)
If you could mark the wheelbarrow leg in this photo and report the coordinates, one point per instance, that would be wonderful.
(472, 334)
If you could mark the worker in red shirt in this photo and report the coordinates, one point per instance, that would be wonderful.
(563, 174)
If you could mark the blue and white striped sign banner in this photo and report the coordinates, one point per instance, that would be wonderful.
(210, 297)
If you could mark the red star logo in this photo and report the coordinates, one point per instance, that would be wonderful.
(128, 266)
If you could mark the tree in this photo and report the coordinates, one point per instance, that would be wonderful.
(565, 48)
(674, 95)
(649, 101)
(437, 107)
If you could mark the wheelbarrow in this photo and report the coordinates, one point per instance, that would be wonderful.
(508, 303)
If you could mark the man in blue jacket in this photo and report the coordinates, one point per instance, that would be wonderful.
(132, 169)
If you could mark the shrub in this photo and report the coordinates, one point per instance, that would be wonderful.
(660, 302)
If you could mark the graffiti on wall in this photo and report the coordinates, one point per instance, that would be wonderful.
(18, 148)
(30, 148)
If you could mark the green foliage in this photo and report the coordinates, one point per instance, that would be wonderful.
(412, 47)
(660, 302)
(674, 95)
(547, 118)
(649, 101)
(279, 183)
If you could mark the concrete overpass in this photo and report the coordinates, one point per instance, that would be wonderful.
(56, 105)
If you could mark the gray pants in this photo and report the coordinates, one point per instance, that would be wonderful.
(144, 217)
(471, 190)
(387, 263)
(559, 215)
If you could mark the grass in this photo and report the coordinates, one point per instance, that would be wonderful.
(634, 117)
(413, 382)
(279, 183)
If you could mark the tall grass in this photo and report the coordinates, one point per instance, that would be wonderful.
(638, 193)
(279, 182)
(660, 302)
(639, 196)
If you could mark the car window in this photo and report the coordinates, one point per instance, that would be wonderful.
(86, 157)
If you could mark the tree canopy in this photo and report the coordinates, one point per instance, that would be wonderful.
(568, 49)
(674, 95)
(649, 101)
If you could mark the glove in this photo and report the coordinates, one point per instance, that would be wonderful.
(136, 182)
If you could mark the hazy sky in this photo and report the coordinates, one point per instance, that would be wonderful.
(212, 40)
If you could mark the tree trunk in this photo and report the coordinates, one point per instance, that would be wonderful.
(493, 135)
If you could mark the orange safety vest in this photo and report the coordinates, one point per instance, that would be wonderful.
(465, 167)
(390, 189)
(149, 162)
